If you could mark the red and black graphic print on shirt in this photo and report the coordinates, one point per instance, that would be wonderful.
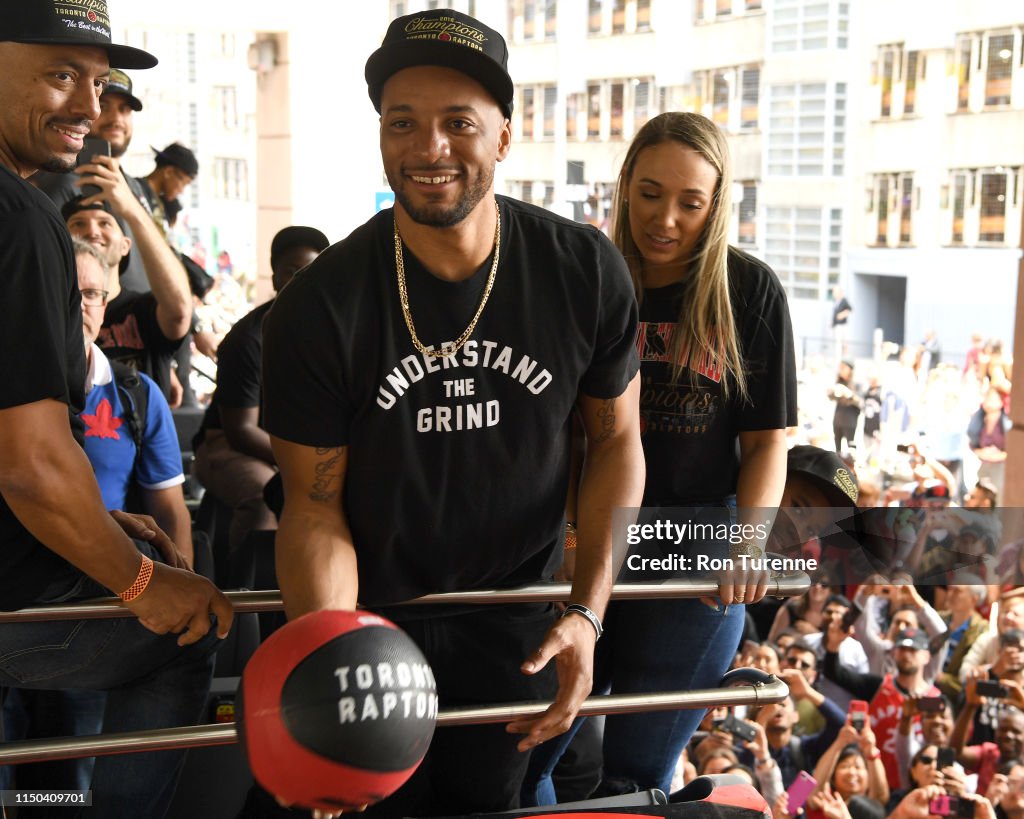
(683, 408)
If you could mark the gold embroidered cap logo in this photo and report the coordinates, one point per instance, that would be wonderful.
(846, 483)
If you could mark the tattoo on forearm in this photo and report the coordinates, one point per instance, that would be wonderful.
(606, 417)
(328, 480)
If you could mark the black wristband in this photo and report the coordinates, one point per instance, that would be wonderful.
(579, 608)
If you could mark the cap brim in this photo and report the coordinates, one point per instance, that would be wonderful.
(388, 60)
(119, 56)
(133, 102)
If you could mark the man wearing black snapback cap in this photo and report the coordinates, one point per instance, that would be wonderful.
(57, 541)
(420, 379)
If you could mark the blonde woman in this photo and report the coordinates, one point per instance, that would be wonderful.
(717, 370)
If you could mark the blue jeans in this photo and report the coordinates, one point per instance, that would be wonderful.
(150, 682)
(650, 646)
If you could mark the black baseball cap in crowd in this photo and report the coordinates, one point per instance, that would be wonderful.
(121, 83)
(297, 236)
(446, 38)
(73, 206)
(911, 638)
(178, 156)
(69, 22)
(828, 470)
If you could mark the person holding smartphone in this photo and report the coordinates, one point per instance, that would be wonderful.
(884, 694)
(853, 769)
(932, 765)
(985, 757)
(923, 721)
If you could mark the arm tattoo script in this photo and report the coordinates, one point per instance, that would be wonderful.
(328, 480)
(606, 417)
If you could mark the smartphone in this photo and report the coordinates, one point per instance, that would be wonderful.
(738, 728)
(936, 643)
(903, 447)
(945, 758)
(858, 714)
(991, 688)
(802, 787)
(951, 806)
(851, 616)
(91, 147)
(930, 705)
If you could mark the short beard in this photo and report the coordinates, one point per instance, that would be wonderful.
(56, 165)
(431, 216)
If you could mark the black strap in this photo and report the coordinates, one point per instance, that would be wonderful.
(134, 400)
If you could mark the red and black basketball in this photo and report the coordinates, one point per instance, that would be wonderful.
(337, 710)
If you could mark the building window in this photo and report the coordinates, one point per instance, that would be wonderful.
(618, 16)
(593, 110)
(528, 112)
(753, 5)
(985, 65)
(959, 206)
(910, 81)
(803, 25)
(748, 214)
(617, 89)
(723, 8)
(890, 66)
(749, 97)
(231, 179)
(998, 70)
(806, 129)
(882, 232)
(641, 103)
(190, 50)
(228, 105)
(720, 98)
(550, 97)
(594, 18)
(729, 96)
(529, 18)
(992, 225)
(550, 19)
(803, 248)
(963, 91)
(906, 191)
(572, 110)
(643, 15)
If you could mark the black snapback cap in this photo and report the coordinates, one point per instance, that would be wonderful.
(69, 22)
(828, 470)
(446, 38)
(121, 83)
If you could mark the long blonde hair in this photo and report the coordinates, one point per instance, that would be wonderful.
(705, 321)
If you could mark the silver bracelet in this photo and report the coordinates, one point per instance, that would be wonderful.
(579, 608)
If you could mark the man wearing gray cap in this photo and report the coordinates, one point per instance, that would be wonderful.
(57, 541)
(420, 383)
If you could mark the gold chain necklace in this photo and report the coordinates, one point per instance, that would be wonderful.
(449, 348)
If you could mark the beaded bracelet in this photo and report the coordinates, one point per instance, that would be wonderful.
(141, 581)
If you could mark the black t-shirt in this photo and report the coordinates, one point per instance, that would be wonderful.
(239, 362)
(45, 355)
(457, 468)
(132, 334)
(61, 188)
(690, 428)
(840, 306)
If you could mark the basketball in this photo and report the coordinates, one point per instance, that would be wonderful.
(337, 710)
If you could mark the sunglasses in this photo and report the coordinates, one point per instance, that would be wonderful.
(805, 664)
(926, 759)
